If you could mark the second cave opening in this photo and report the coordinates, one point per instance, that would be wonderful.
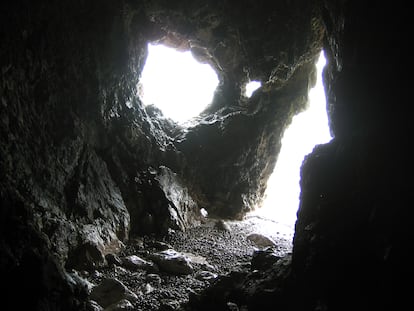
(308, 128)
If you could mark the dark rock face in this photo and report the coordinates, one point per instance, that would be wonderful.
(352, 232)
(84, 165)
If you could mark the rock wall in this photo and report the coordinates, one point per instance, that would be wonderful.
(77, 148)
(352, 233)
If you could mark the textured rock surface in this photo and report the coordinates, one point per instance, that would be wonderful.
(110, 292)
(84, 165)
(173, 262)
(230, 153)
(352, 230)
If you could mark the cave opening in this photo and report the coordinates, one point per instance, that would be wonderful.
(251, 87)
(175, 82)
(307, 129)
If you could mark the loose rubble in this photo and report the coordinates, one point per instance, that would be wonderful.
(162, 273)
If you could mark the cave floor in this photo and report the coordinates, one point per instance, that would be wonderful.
(211, 247)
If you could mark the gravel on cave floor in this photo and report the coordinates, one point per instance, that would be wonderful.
(224, 250)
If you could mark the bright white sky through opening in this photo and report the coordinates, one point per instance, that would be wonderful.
(307, 129)
(251, 87)
(176, 83)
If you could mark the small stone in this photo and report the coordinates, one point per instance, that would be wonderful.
(147, 288)
(84, 273)
(203, 212)
(260, 240)
(199, 260)
(232, 306)
(110, 291)
(134, 262)
(96, 274)
(173, 262)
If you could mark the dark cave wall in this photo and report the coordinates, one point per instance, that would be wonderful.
(52, 121)
(49, 137)
(352, 234)
(75, 145)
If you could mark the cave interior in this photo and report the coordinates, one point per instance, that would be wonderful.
(86, 167)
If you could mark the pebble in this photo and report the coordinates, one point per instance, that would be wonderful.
(147, 288)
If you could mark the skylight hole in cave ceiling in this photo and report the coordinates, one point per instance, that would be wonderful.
(176, 83)
(251, 87)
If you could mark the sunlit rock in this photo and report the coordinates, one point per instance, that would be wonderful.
(261, 240)
(134, 262)
(173, 262)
